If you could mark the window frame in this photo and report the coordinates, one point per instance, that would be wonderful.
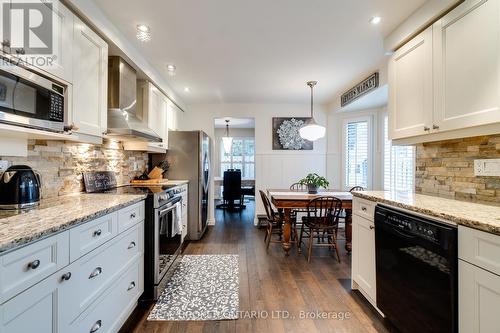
(370, 140)
(385, 118)
(243, 162)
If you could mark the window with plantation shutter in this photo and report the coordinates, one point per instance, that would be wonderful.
(399, 164)
(356, 153)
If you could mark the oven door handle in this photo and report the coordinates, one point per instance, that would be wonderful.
(166, 210)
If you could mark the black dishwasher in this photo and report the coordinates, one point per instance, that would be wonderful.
(417, 275)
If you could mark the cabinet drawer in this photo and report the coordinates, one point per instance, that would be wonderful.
(479, 248)
(26, 266)
(113, 308)
(89, 236)
(364, 208)
(93, 273)
(130, 215)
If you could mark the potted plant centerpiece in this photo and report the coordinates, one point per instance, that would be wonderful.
(314, 182)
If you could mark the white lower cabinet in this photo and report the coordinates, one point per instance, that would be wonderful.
(479, 299)
(478, 281)
(363, 257)
(37, 309)
(95, 293)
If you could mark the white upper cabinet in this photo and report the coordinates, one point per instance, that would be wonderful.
(154, 107)
(410, 93)
(446, 81)
(467, 65)
(90, 81)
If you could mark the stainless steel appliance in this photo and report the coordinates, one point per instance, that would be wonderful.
(19, 188)
(162, 227)
(189, 159)
(416, 265)
(123, 122)
(30, 100)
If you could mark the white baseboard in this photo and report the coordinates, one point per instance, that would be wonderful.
(211, 221)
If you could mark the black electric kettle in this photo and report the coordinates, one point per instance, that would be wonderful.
(19, 188)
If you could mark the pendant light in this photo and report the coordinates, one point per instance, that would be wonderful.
(227, 141)
(311, 130)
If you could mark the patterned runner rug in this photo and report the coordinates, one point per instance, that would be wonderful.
(202, 287)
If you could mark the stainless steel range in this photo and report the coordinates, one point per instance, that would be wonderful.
(162, 226)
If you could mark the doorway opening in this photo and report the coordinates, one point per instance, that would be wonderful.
(234, 166)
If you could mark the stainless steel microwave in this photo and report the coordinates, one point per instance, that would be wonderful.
(30, 100)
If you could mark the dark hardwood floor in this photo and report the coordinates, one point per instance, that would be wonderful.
(276, 286)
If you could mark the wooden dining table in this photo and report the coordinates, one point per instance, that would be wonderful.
(288, 200)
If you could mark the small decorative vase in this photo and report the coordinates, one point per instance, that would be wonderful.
(312, 189)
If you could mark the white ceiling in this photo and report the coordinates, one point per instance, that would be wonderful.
(260, 51)
(235, 122)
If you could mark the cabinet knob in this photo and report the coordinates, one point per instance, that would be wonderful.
(132, 216)
(131, 246)
(34, 264)
(95, 273)
(363, 209)
(96, 326)
(66, 276)
(434, 126)
(427, 128)
(97, 233)
(20, 51)
(131, 286)
(372, 227)
(6, 43)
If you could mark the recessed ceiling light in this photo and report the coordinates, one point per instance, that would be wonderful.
(171, 68)
(143, 33)
(187, 89)
(375, 20)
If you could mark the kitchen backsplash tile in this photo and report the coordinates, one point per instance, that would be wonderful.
(446, 168)
(61, 163)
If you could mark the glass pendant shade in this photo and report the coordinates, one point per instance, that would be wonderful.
(311, 130)
(227, 141)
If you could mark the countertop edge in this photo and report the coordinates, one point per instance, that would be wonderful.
(32, 238)
(432, 213)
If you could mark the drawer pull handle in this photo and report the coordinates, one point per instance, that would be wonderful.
(132, 216)
(97, 233)
(96, 326)
(34, 264)
(426, 128)
(363, 209)
(95, 273)
(66, 276)
(372, 227)
(132, 286)
(131, 246)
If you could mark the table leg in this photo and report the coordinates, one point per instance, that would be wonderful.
(348, 230)
(287, 230)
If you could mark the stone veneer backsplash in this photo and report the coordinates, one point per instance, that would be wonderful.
(61, 163)
(446, 168)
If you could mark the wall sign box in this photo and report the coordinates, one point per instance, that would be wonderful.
(364, 87)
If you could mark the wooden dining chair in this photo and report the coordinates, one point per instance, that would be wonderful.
(298, 187)
(274, 222)
(322, 218)
(357, 188)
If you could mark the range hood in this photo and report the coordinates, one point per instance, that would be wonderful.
(123, 122)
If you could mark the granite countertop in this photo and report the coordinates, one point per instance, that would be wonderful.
(56, 215)
(177, 182)
(474, 215)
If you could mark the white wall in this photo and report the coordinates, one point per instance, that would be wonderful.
(274, 168)
(335, 147)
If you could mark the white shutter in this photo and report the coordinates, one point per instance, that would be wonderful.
(356, 154)
(399, 164)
